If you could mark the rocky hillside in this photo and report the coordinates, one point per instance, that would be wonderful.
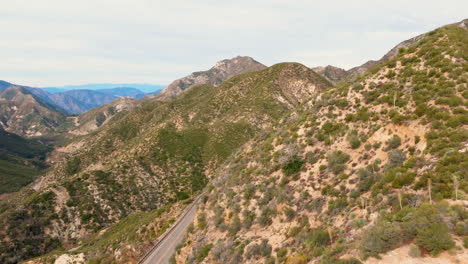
(222, 71)
(97, 117)
(154, 156)
(26, 114)
(374, 168)
(331, 73)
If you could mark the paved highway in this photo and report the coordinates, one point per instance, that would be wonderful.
(164, 249)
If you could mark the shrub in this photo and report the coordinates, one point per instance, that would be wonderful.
(461, 228)
(354, 141)
(393, 142)
(337, 160)
(317, 238)
(201, 218)
(335, 206)
(289, 213)
(380, 238)
(249, 191)
(292, 167)
(262, 249)
(235, 226)
(203, 252)
(249, 218)
(429, 228)
(395, 158)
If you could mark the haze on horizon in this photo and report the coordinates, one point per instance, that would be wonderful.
(56, 42)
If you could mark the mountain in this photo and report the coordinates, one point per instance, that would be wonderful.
(331, 73)
(148, 160)
(145, 88)
(21, 160)
(220, 72)
(124, 91)
(86, 100)
(290, 169)
(68, 103)
(23, 113)
(53, 90)
(335, 74)
(373, 171)
(99, 116)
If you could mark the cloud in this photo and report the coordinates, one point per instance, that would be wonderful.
(58, 42)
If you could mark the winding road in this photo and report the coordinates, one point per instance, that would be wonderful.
(165, 248)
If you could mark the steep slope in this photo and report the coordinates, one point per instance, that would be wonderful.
(97, 117)
(146, 160)
(20, 161)
(25, 114)
(222, 71)
(375, 167)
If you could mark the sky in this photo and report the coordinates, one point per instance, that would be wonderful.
(63, 42)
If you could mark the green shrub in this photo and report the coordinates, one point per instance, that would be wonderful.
(353, 139)
(337, 160)
(380, 238)
(202, 252)
(292, 167)
(428, 228)
(393, 142)
(201, 218)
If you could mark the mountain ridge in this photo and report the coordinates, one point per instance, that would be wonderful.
(221, 71)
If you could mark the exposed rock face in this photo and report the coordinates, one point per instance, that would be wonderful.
(220, 72)
(331, 73)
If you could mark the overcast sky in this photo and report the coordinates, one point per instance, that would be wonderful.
(61, 42)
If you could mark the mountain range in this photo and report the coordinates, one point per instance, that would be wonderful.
(291, 164)
(76, 101)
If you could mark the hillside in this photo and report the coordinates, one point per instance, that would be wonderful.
(372, 168)
(137, 166)
(97, 117)
(79, 101)
(23, 113)
(220, 72)
(21, 160)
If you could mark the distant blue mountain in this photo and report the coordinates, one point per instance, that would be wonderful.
(145, 88)
(123, 91)
(53, 90)
(76, 99)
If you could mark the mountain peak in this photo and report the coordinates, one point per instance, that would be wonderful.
(331, 73)
(221, 71)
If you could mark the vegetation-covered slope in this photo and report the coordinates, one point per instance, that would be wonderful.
(21, 160)
(369, 167)
(152, 156)
(23, 113)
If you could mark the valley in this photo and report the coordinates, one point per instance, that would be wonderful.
(246, 163)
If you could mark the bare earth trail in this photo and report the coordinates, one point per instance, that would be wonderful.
(164, 249)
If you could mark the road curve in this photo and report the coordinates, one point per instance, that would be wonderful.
(165, 248)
